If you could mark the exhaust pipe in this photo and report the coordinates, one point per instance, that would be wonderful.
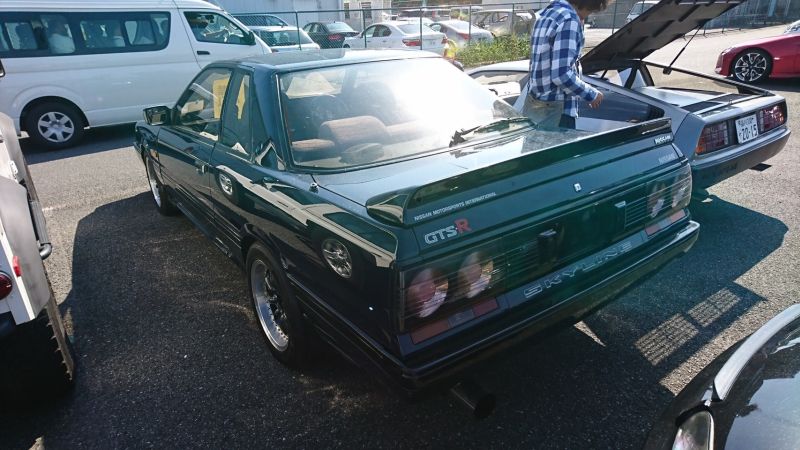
(471, 395)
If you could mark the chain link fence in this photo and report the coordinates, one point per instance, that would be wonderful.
(354, 27)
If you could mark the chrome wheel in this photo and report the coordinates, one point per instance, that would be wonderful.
(154, 188)
(271, 314)
(55, 127)
(751, 66)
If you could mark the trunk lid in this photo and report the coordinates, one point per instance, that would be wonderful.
(655, 28)
(475, 190)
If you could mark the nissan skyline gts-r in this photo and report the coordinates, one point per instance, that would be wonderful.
(723, 127)
(413, 242)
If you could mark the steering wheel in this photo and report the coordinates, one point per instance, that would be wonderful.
(324, 108)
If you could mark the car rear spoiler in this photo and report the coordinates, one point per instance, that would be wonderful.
(398, 207)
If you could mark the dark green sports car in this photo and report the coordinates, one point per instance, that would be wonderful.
(415, 239)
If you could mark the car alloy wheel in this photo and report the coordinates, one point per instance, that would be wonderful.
(751, 66)
(268, 304)
(56, 127)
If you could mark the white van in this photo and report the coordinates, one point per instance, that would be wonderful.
(76, 63)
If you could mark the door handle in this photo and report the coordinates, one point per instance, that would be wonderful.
(203, 52)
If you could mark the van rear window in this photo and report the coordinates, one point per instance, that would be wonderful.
(29, 34)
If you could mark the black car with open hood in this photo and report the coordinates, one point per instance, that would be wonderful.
(415, 243)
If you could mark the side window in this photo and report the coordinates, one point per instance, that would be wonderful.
(435, 27)
(216, 28)
(236, 131)
(200, 107)
(370, 31)
(382, 31)
(59, 36)
(25, 35)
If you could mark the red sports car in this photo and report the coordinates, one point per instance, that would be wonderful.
(756, 60)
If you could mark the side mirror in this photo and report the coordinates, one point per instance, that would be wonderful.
(158, 115)
(2, 70)
(250, 38)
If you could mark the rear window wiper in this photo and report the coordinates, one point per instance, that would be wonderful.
(495, 125)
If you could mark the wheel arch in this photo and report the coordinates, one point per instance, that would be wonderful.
(252, 234)
(47, 99)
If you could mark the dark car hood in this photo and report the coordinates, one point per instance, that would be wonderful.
(655, 28)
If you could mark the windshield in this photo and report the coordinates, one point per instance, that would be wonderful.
(348, 116)
(339, 27)
(284, 37)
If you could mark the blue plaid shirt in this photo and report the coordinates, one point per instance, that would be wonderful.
(556, 44)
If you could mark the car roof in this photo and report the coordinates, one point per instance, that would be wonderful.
(273, 28)
(77, 5)
(289, 62)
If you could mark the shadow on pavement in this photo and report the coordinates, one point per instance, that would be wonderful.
(94, 141)
(170, 353)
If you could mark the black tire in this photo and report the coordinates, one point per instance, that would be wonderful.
(54, 125)
(752, 66)
(275, 305)
(346, 46)
(38, 359)
(157, 189)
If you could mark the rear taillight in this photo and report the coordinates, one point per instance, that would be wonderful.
(772, 117)
(426, 293)
(464, 35)
(412, 42)
(714, 137)
(335, 37)
(5, 285)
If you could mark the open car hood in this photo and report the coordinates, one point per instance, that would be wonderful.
(655, 28)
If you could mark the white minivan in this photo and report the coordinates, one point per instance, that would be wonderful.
(75, 63)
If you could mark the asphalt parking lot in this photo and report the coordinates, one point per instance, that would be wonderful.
(170, 353)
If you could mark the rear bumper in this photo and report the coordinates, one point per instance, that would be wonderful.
(451, 360)
(713, 168)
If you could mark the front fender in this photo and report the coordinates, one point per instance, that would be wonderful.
(144, 141)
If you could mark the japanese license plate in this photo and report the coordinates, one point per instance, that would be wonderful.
(746, 129)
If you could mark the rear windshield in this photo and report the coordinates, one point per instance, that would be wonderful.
(414, 28)
(284, 37)
(459, 25)
(340, 27)
(348, 116)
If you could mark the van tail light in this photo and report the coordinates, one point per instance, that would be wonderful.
(335, 37)
(772, 117)
(714, 137)
(5, 285)
(412, 42)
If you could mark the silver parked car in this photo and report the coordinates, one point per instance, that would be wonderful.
(462, 33)
(723, 127)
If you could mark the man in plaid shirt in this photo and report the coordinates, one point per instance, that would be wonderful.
(555, 86)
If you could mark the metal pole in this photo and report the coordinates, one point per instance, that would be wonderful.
(421, 14)
(469, 27)
(614, 19)
(297, 23)
(513, 34)
(363, 27)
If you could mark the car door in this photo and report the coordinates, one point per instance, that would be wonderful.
(186, 146)
(215, 37)
(386, 37)
(231, 172)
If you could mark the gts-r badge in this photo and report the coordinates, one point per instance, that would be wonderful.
(459, 226)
